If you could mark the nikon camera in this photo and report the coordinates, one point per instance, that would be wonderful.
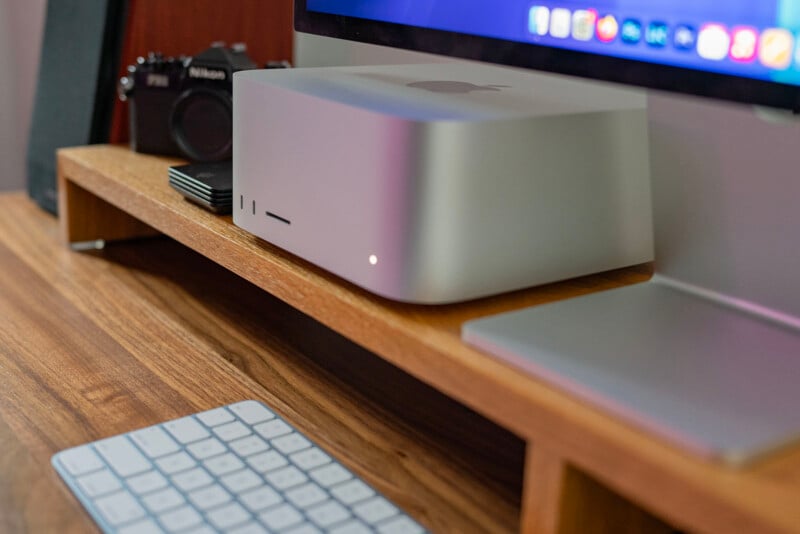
(182, 106)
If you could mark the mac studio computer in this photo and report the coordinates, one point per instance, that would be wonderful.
(707, 353)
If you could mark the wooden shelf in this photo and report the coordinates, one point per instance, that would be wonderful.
(581, 463)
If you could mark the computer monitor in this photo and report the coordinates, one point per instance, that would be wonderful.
(743, 51)
(706, 354)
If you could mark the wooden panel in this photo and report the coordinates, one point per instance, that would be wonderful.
(559, 499)
(545, 473)
(94, 344)
(590, 508)
(187, 27)
(88, 218)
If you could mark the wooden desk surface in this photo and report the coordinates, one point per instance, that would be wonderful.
(93, 344)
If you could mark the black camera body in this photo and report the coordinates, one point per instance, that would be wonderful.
(183, 106)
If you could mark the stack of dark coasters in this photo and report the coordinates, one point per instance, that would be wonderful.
(209, 185)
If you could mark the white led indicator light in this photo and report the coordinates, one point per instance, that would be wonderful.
(373, 259)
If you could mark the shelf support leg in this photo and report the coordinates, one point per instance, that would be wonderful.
(545, 473)
(560, 499)
(85, 217)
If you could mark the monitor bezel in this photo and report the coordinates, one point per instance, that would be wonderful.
(550, 59)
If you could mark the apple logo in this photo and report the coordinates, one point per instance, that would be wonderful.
(453, 87)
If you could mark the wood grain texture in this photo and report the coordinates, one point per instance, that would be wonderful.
(88, 217)
(545, 473)
(95, 344)
(588, 507)
(559, 499)
(424, 341)
(28, 486)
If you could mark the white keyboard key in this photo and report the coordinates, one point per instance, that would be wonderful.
(400, 525)
(280, 517)
(272, 429)
(228, 516)
(231, 431)
(374, 510)
(260, 498)
(146, 482)
(310, 458)
(189, 480)
(352, 491)
(186, 430)
(241, 481)
(351, 527)
(163, 500)
(119, 508)
(212, 471)
(251, 412)
(122, 456)
(175, 462)
(154, 441)
(286, 477)
(182, 518)
(328, 514)
(225, 463)
(80, 460)
(291, 443)
(146, 526)
(99, 483)
(249, 528)
(209, 497)
(267, 461)
(330, 475)
(249, 445)
(215, 417)
(306, 495)
(206, 448)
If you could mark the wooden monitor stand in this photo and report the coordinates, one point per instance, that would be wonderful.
(584, 470)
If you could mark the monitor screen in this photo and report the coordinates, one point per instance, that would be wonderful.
(741, 50)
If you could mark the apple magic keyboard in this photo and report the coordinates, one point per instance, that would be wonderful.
(236, 469)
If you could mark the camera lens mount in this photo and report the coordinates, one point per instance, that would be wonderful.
(201, 124)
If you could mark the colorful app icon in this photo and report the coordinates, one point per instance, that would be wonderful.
(657, 34)
(583, 23)
(714, 42)
(539, 20)
(607, 28)
(744, 43)
(797, 54)
(775, 48)
(560, 23)
(631, 31)
(685, 37)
